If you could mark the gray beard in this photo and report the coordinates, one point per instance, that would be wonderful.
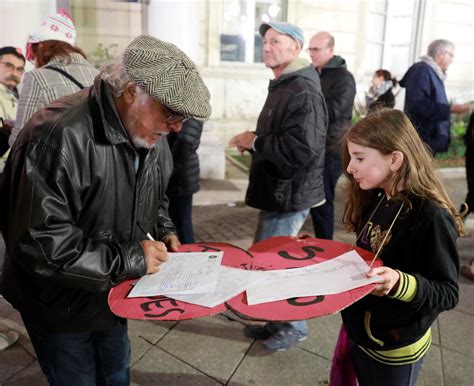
(140, 143)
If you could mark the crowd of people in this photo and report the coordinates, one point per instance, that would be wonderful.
(88, 170)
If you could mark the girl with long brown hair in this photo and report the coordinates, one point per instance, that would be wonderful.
(397, 205)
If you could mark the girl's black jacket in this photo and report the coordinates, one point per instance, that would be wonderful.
(423, 245)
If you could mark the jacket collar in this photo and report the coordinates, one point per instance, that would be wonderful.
(295, 67)
(73, 58)
(335, 62)
(434, 66)
(106, 113)
(7, 92)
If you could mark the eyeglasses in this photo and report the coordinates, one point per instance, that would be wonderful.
(172, 118)
(11, 67)
(315, 49)
(449, 53)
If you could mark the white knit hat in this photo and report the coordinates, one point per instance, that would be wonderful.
(57, 27)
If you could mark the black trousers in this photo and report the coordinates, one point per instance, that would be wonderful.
(323, 216)
(181, 210)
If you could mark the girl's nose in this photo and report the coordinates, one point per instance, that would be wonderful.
(349, 168)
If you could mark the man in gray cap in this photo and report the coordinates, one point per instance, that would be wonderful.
(288, 145)
(81, 177)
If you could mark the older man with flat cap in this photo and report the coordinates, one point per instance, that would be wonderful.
(288, 145)
(82, 175)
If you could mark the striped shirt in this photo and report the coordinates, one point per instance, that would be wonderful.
(42, 86)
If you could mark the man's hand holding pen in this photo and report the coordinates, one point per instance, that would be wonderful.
(156, 252)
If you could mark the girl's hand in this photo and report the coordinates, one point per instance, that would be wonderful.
(388, 283)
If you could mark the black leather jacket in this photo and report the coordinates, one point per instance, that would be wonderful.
(70, 202)
(286, 174)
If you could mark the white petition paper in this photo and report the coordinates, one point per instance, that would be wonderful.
(231, 282)
(337, 275)
(183, 273)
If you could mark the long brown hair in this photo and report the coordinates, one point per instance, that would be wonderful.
(47, 50)
(388, 130)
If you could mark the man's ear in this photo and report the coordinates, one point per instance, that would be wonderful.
(130, 93)
(396, 161)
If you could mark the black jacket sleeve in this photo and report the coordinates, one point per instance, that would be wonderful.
(437, 284)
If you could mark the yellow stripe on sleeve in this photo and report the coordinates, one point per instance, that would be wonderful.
(407, 287)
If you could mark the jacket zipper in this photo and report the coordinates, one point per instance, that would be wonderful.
(138, 173)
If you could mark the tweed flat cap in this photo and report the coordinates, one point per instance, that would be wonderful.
(163, 71)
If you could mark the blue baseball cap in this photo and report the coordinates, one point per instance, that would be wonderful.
(293, 31)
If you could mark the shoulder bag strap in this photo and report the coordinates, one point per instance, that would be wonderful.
(67, 75)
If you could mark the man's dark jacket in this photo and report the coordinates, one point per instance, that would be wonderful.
(184, 145)
(339, 91)
(427, 106)
(70, 204)
(286, 173)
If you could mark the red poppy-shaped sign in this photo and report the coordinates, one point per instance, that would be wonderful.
(287, 252)
(165, 308)
(274, 253)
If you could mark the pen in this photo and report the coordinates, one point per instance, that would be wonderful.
(150, 237)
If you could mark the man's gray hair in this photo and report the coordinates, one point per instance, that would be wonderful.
(115, 75)
(439, 46)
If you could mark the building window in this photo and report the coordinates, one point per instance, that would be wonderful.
(376, 25)
(240, 40)
(394, 31)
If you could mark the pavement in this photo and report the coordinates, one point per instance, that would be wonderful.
(214, 350)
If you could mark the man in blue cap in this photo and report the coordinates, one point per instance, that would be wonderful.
(288, 145)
